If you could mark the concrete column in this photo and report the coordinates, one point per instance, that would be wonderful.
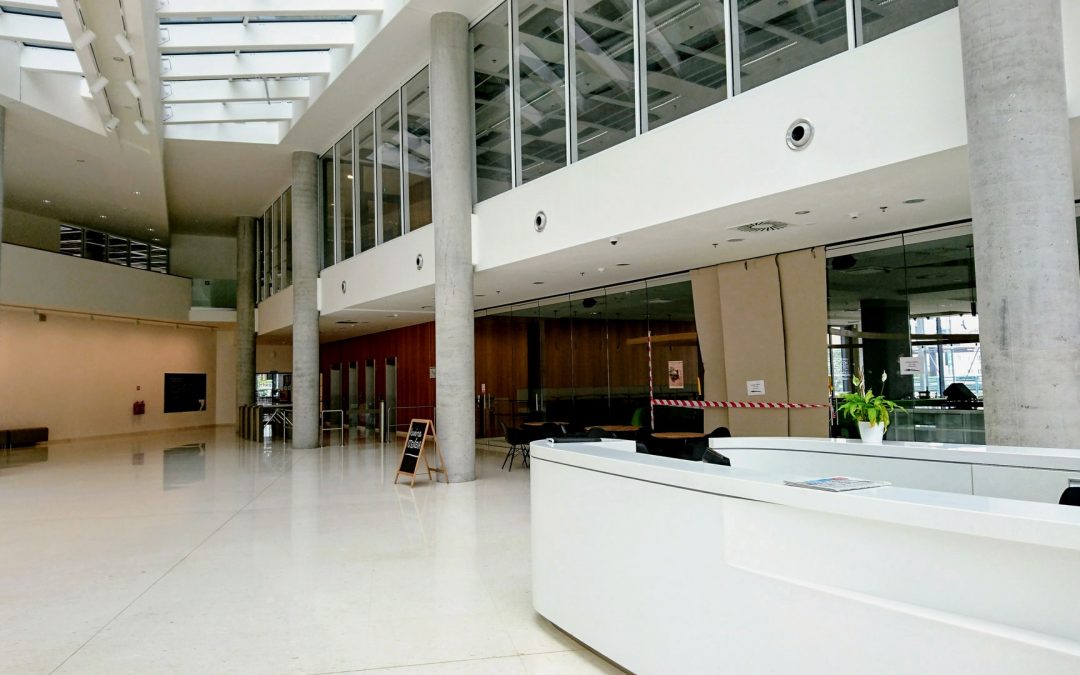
(305, 341)
(451, 195)
(1023, 215)
(245, 311)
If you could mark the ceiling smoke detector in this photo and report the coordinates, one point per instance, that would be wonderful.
(763, 226)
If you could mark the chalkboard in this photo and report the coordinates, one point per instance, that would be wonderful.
(413, 452)
(185, 392)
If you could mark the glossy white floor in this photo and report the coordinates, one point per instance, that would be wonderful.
(195, 552)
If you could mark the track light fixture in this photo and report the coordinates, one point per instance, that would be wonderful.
(84, 40)
(99, 84)
(124, 44)
(133, 88)
(112, 123)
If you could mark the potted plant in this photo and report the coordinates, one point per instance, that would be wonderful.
(869, 410)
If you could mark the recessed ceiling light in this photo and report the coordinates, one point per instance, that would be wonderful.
(538, 283)
(801, 213)
(103, 216)
(150, 229)
(600, 269)
(735, 240)
(46, 202)
(479, 295)
(137, 193)
(917, 200)
(622, 264)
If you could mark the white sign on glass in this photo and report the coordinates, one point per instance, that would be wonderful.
(910, 365)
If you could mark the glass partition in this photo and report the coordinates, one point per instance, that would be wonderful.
(388, 120)
(140, 255)
(418, 149)
(345, 196)
(583, 359)
(685, 57)
(118, 250)
(492, 100)
(777, 38)
(541, 95)
(882, 17)
(326, 173)
(286, 239)
(365, 167)
(907, 306)
(605, 80)
(95, 245)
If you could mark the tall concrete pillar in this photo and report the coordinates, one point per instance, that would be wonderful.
(1023, 218)
(451, 195)
(305, 341)
(245, 311)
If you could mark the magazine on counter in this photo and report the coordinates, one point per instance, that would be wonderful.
(838, 483)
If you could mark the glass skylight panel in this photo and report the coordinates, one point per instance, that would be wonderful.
(45, 13)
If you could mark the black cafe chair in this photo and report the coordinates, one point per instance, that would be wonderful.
(1070, 497)
(695, 448)
(714, 457)
(720, 432)
(518, 440)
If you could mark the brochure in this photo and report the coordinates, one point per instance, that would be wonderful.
(838, 483)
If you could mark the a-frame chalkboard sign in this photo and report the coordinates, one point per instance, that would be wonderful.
(413, 452)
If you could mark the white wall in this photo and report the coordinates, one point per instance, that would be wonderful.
(27, 229)
(275, 312)
(79, 377)
(200, 257)
(33, 278)
(382, 272)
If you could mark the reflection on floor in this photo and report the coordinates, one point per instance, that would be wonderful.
(198, 552)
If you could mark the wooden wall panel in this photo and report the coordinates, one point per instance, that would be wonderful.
(804, 296)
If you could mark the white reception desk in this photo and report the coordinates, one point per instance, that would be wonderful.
(667, 566)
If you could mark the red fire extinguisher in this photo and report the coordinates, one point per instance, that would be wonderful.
(138, 408)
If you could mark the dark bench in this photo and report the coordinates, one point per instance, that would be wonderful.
(17, 438)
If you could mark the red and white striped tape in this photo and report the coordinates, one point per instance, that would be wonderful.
(680, 403)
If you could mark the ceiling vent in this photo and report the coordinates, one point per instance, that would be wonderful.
(763, 226)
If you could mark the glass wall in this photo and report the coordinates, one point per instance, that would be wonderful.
(273, 247)
(882, 17)
(550, 91)
(492, 101)
(418, 150)
(365, 167)
(344, 200)
(685, 57)
(328, 196)
(604, 70)
(777, 38)
(541, 60)
(907, 306)
(388, 121)
(93, 245)
(583, 359)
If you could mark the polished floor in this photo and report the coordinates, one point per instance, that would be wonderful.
(195, 552)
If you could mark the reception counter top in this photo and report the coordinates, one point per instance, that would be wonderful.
(665, 565)
(1063, 459)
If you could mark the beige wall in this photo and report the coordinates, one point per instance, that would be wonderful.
(27, 229)
(79, 377)
(225, 410)
(200, 257)
(31, 278)
(273, 357)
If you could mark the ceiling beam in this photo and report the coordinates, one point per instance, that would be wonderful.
(278, 36)
(244, 111)
(37, 5)
(204, 91)
(40, 30)
(257, 64)
(196, 8)
(251, 132)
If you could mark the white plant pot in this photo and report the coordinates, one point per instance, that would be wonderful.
(871, 433)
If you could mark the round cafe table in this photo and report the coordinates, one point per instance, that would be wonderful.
(678, 435)
(614, 428)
